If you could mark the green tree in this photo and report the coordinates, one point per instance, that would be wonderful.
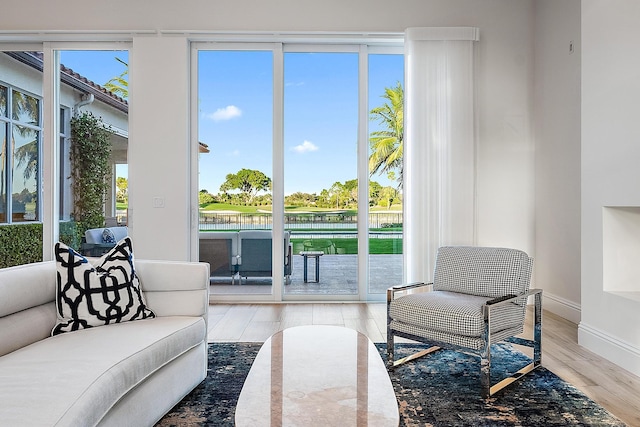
(25, 109)
(351, 193)
(250, 182)
(205, 198)
(324, 199)
(300, 199)
(27, 155)
(122, 194)
(336, 194)
(388, 195)
(119, 85)
(386, 145)
(374, 192)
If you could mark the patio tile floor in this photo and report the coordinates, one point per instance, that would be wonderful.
(338, 276)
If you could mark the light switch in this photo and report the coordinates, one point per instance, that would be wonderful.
(158, 202)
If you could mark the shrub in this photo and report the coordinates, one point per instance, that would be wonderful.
(20, 244)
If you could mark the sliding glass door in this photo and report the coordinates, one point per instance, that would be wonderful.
(235, 102)
(285, 129)
(386, 136)
(320, 176)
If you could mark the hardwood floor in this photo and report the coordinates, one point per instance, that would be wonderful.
(614, 388)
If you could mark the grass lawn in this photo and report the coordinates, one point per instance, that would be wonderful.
(350, 246)
(291, 209)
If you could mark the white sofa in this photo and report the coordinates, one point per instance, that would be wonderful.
(122, 374)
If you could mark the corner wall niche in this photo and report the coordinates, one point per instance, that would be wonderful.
(621, 251)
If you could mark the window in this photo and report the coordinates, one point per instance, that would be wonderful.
(65, 165)
(21, 127)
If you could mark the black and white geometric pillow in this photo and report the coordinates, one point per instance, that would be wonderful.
(88, 296)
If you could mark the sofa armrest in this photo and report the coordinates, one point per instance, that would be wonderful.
(175, 288)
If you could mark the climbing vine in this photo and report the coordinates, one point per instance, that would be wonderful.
(90, 169)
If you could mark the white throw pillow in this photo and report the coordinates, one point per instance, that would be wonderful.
(88, 295)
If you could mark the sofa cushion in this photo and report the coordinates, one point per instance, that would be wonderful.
(73, 379)
(88, 296)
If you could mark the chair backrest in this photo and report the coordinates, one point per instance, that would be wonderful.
(482, 271)
(255, 250)
(219, 250)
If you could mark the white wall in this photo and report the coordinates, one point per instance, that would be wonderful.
(557, 155)
(610, 170)
(158, 120)
(159, 168)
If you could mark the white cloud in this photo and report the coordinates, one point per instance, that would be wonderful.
(227, 113)
(305, 147)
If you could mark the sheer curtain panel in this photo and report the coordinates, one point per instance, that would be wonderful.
(439, 145)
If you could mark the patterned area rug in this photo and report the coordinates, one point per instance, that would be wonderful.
(437, 390)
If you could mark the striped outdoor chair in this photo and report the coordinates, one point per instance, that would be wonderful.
(478, 297)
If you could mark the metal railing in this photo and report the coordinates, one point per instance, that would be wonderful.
(313, 221)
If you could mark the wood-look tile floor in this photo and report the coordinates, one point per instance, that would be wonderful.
(611, 386)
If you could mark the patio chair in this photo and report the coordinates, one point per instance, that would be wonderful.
(220, 250)
(478, 297)
(98, 241)
(254, 249)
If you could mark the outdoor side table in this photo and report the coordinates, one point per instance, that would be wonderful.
(316, 255)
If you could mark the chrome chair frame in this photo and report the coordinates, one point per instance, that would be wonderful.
(484, 353)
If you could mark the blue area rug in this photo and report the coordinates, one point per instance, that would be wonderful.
(441, 389)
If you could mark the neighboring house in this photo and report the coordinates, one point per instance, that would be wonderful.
(21, 123)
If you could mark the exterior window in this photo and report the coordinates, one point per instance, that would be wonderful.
(65, 166)
(20, 125)
(3, 154)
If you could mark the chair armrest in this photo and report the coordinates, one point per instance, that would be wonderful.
(287, 256)
(404, 287)
(511, 298)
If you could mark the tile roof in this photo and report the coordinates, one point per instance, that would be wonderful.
(74, 79)
(78, 81)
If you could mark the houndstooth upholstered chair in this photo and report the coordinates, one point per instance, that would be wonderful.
(478, 297)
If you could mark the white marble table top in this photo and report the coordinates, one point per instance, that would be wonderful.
(317, 376)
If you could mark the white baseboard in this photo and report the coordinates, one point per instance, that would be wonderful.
(611, 348)
(562, 307)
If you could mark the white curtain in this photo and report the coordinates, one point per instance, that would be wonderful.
(439, 145)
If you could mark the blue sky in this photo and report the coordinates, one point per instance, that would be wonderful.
(235, 111)
(320, 115)
(98, 66)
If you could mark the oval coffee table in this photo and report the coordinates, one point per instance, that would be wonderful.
(317, 376)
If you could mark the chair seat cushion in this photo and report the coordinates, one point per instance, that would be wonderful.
(453, 313)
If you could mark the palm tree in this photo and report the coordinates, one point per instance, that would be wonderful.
(119, 85)
(387, 145)
(26, 109)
